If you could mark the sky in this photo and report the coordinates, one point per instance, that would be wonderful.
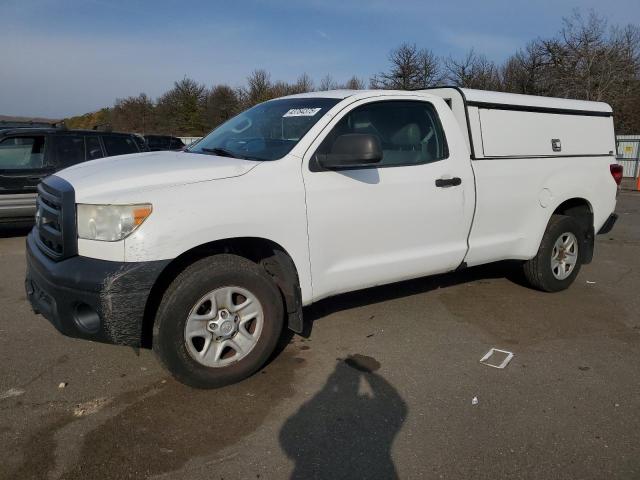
(68, 57)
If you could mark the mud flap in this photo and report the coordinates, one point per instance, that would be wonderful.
(283, 270)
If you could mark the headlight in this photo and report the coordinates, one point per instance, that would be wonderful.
(110, 223)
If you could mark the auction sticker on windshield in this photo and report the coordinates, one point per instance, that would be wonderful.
(301, 112)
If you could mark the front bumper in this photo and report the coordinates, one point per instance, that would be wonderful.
(89, 298)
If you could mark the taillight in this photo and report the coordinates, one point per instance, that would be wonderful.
(616, 172)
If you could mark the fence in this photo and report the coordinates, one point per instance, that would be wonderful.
(628, 154)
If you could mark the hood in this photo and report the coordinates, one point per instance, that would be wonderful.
(112, 176)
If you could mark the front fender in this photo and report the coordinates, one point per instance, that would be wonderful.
(267, 203)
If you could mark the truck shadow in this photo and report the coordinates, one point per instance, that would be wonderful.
(347, 429)
(506, 269)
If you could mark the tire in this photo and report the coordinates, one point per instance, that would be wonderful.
(540, 271)
(189, 302)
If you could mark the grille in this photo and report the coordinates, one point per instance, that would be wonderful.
(55, 218)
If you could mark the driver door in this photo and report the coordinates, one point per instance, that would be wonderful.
(387, 222)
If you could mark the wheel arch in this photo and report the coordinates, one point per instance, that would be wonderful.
(574, 206)
(273, 257)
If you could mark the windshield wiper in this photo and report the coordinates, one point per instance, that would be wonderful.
(223, 152)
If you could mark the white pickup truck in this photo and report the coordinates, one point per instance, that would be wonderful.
(206, 255)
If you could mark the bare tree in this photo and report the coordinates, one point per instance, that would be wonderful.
(280, 89)
(526, 71)
(327, 83)
(580, 63)
(626, 98)
(473, 71)
(354, 83)
(259, 87)
(411, 68)
(590, 61)
(429, 69)
(303, 84)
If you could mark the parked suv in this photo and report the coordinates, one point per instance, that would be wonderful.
(163, 142)
(27, 155)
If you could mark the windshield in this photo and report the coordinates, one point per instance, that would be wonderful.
(267, 131)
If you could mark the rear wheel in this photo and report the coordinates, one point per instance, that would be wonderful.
(219, 321)
(558, 260)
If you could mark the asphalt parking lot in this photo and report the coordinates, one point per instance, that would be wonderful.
(383, 386)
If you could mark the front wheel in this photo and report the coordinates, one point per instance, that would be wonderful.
(558, 260)
(218, 322)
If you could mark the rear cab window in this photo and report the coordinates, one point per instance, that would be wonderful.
(119, 145)
(22, 153)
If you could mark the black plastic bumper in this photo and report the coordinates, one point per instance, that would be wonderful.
(608, 225)
(89, 298)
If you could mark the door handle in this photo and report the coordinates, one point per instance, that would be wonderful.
(448, 182)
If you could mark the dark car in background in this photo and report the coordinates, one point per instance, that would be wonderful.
(163, 142)
(27, 155)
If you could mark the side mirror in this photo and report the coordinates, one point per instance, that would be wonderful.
(352, 150)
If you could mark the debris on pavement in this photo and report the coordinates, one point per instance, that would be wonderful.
(590, 282)
(62, 385)
(501, 359)
(474, 401)
(90, 407)
(12, 392)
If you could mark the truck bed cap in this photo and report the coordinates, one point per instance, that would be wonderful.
(480, 97)
(486, 98)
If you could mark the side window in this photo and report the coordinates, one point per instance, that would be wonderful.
(410, 132)
(69, 150)
(119, 145)
(22, 153)
(93, 148)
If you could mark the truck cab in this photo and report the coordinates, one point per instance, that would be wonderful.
(206, 255)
